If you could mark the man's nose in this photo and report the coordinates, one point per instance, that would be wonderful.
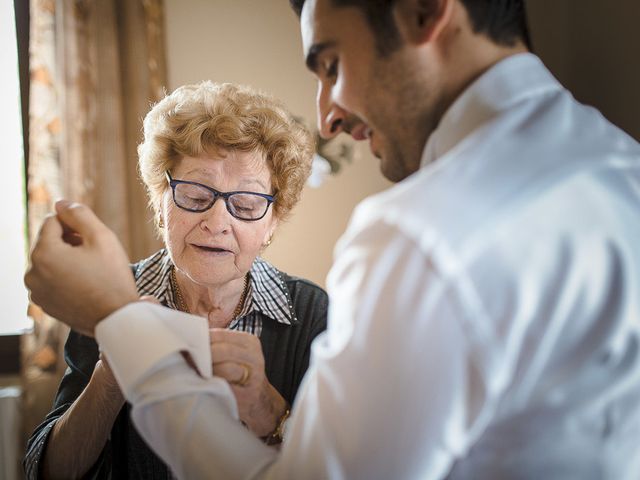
(331, 117)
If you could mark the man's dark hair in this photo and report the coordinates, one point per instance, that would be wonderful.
(503, 21)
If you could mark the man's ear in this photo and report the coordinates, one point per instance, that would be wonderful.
(422, 21)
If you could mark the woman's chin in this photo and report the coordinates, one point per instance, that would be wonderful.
(209, 281)
(211, 274)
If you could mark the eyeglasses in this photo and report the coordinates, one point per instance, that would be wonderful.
(195, 197)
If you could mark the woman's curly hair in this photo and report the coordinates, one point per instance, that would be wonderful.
(199, 119)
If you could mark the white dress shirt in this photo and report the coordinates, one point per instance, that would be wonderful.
(484, 319)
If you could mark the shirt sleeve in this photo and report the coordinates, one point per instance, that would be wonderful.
(189, 420)
(141, 334)
(396, 387)
(391, 391)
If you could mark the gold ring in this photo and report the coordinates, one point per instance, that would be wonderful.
(246, 373)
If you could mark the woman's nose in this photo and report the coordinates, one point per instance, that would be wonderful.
(217, 219)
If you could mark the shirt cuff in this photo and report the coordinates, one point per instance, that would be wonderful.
(136, 338)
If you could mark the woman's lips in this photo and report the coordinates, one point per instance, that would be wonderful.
(211, 249)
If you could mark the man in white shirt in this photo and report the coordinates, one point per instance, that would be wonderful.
(485, 312)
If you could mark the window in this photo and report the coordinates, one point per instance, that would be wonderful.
(13, 236)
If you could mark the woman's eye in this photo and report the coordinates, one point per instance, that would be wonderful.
(244, 209)
(198, 200)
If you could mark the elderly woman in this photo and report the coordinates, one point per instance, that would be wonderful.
(223, 165)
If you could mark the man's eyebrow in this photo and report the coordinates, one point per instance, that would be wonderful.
(314, 52)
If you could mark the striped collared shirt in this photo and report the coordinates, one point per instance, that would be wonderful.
(267, 295)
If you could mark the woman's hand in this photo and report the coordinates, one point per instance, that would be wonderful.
(237, 357)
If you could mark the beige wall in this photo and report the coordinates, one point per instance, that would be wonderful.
(592, 46)
(257, 42)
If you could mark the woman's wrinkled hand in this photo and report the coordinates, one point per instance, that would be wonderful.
(237, 357)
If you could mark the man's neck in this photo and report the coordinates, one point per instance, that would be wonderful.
(475, 60)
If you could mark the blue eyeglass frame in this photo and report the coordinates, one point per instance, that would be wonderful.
(216, 194)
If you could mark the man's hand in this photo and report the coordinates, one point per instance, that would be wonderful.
(79, 272)
(237, 357)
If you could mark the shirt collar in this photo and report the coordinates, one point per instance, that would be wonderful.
(152, 277)
(268, 292)
(510, 81)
